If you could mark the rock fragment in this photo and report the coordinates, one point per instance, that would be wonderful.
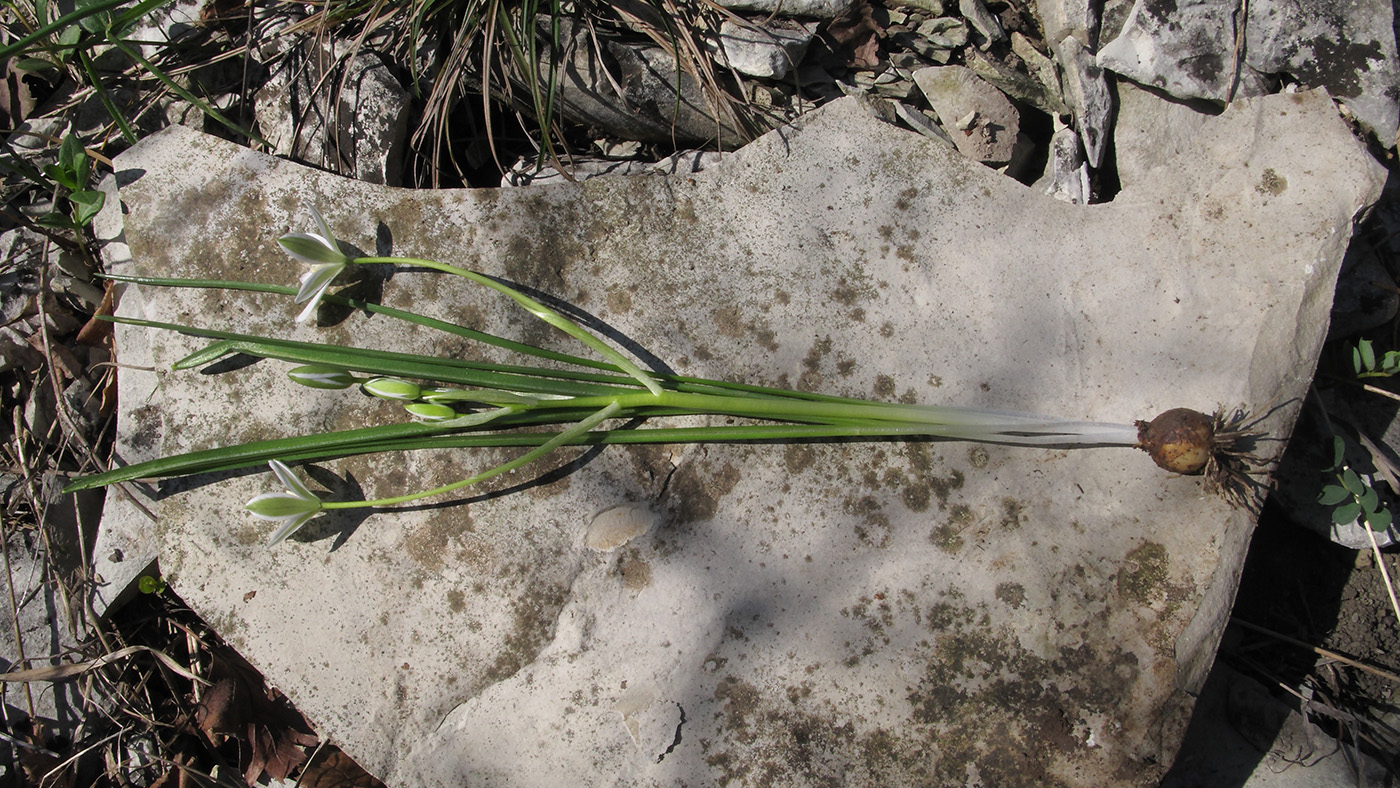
(1067, 174)
(346, 116)
(768, 51)
(1087, 93)
(955, 93)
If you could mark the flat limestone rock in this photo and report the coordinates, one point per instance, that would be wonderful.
(869, 613)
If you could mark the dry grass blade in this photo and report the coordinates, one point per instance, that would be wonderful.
(73, 670)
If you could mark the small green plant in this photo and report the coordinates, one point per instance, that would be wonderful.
(149, 584)
(72, 172)
(456, 403)
(1353, 498)
(1366, 365)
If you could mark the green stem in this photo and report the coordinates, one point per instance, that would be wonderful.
(528, 457)
(535, 308)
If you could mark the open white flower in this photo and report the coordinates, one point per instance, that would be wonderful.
(322, 251)
(291, 508)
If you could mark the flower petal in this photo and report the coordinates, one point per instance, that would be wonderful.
(310, 249)
(290, 528)
(280, 506)
(315, 281)
(323, 227)
(293, 484)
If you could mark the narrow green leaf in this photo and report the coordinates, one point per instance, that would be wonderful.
(1339, 448)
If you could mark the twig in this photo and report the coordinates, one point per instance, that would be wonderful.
(1322, 652)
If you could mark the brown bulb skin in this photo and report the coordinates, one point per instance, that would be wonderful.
(1180, 440)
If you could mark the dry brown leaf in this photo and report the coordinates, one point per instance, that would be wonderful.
(854, 37)
(332, 768)
(96, 331)
(239, 704)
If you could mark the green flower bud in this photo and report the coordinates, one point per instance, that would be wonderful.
(322, 377)
(430, 411)
(390, 388)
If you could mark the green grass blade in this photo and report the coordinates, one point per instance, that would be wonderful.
(112, 110)
(174, 87)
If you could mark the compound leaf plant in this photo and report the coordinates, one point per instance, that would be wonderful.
(455, 403)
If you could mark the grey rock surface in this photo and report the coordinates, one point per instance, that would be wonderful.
(979, 118)
(1184, 50)
(818, 9)
(1191, 51)
(1348, 48)
(866, 613)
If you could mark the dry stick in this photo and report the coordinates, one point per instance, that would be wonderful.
(1388, 471)
(14, 611)
(1322, 652)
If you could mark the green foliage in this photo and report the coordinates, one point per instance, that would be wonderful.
(151, 585)
(1353, 498)
(72, 172)
(1366, 365)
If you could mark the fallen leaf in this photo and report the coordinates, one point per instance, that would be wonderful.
(854, 37)
(239, 703)
(332, 768)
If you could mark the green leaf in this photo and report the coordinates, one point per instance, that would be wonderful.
(62, 176)
(86, 204)
(1353, 482)
(1332, 495)
(1356, 360)
(73, 158)
(1378, 520)
(1339, 448)
(1367, 354)
(1390, 362)
(1370, 500)
(34, 64)
(1345, 515)
(55, 221)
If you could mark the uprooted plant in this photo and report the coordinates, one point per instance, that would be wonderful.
(457, 403)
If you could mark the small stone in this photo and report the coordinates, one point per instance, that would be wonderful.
(935, 7)
(920, 121)
(982, 20)
(615, 527)
(1060, 18)
(945, 32)
(767, 51)
(1042, 70)
(1015, 82)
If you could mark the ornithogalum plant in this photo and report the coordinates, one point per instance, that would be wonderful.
(453, 403)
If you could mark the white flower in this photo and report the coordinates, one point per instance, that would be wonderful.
(322, 251)
(292, 508)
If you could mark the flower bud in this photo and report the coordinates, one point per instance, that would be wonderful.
(322, 377)
(390, 388)
(430, 411)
